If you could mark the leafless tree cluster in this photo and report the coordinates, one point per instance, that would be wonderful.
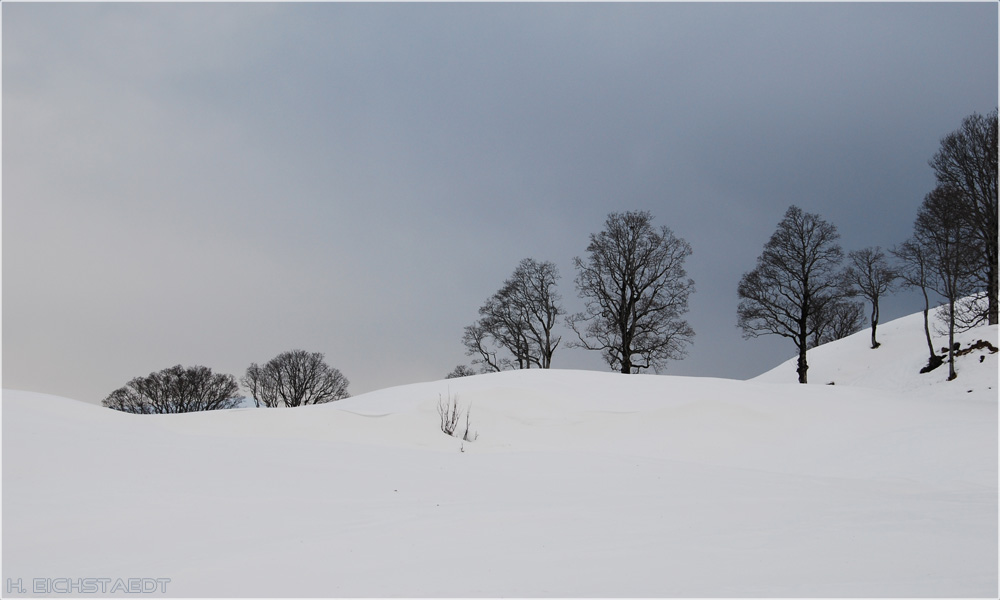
(516, 324)
(838, 319)
(635, 291)
(460, 371)
(953, 249)
(295, 378)
(798, 291)
(940, 231)
(966, 170)
(176, 390)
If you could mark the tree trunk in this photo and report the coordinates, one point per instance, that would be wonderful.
(927, 326)
(803, 343)
(626, 348)
(875, 343)
(626, 363)
(992, 292)
(802, 365)
(951, 340)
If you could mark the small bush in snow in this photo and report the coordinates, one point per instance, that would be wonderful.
(451, 415)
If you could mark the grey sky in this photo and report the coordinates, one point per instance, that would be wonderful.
(215, 184)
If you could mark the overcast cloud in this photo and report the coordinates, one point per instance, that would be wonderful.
(215, 184)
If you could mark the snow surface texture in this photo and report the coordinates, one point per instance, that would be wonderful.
(580, 484)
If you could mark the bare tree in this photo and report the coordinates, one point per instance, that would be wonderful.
(460, 371)
(966, 164)
(836, 320)
(941, 231)
(176, 390)
(295, 378)
(915, 273)
(636, 291)
(797, 276)
(518, 319)
(531, 293)
(871, 276)
(478, 343)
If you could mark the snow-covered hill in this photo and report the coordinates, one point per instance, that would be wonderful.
(579, 484)
(895, 365)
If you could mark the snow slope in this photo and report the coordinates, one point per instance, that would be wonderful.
(579, 484)
(896, 363)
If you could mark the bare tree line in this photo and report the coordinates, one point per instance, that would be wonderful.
(798, 291)
(635, 291)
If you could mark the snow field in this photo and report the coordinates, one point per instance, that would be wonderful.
(580, 484)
